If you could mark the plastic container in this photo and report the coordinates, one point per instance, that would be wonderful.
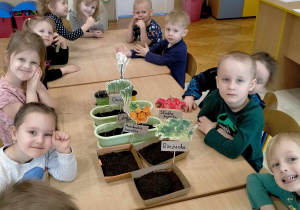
(27, 8)
(193, 8)
(6, 27)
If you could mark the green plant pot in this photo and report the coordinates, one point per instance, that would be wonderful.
(109, 108)
(100, 101)
(125, 138)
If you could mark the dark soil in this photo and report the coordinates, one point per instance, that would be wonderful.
(118, 131)
(156, 184)
(153, 154)
(101, 94)
(107, 114)
(118, 163)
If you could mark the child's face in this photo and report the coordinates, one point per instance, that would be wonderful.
(142, 11)
(262, 77)
(45, 30)
(60, 8)
(174, 34)
(88, 9)
(23, 65)
(234, 81)
(34, 136)
(286, 165)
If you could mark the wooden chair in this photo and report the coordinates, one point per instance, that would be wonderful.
(191, 68)
(271, 101)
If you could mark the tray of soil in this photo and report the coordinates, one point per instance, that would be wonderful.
(101, 98)
(108, 113)
(110, 134)
(159, 183)
(150, 152)
(118, 162)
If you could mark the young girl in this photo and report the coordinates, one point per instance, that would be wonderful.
(45, 28)
(56, 9)
(83, 10)
(34, 133)
(24, 59)
(283, 158)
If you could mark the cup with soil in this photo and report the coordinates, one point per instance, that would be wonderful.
(110, 134)
(109, 113)
(159, 183)
(101, 98)
(150, 152)
(118, 162)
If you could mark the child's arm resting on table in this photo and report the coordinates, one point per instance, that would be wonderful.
(129, 33)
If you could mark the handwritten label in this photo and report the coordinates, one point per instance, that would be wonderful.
(174, 146)
(166, 113)
(115, 99)
(132, 128)
(123, 118)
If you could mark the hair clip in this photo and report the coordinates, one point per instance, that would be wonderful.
(28, 19)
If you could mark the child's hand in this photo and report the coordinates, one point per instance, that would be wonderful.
(33, 82)
(141, 51)
(59, 41)
(90, 22)
(205, 125)
(61, 142)
(97, 33)
(124, 50)
(133, 21)
(141, 24)
(190, 102)
(69, 69)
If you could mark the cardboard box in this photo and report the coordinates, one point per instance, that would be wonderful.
(119, 148)
(145, 144)
(166, 167)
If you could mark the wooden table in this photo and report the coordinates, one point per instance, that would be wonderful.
(97, 59)
(277, 32)
(208, 171)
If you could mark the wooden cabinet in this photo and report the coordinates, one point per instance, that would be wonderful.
(277, 32)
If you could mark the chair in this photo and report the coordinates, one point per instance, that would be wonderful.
(271, 101)
(191, 67)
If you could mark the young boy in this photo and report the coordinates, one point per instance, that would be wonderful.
(34, 195)
(283, 158)
(142, 27)
(171, 51)
(231, 120)
(265, 68)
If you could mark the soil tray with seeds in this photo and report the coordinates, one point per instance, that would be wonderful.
(153, 154)
(158, 183)
(107, 114)
(118, 163)
(118, 131)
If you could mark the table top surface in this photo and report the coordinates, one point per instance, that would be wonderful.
(97, 59)
(207, 170)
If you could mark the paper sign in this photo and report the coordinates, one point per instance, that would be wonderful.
(297, 10)
(167, 113)
(133, 128)
(115, 99)
(175, 146)
(123, 118)
(287, 1)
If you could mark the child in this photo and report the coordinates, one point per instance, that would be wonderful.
(45, 28)
(84, 9)
(34, 133)
(283, 158)
(32, 193)
(24, 59)
(231, 120)
(172, 51)
(56, 9)
(142, 27)
(265, 68)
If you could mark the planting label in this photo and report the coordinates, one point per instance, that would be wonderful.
(115, 99)
(133, 128)
(123, 118)
(174, 146)
(167, 113)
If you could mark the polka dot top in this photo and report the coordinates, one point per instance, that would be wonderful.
(61, 30)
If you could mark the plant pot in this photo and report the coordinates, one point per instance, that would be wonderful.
(134, 93)
(118, 149)
(124, 138)
(110, 108)
(137, 175)
(101, 98)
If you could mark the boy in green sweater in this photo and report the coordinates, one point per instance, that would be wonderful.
(283, 158)
(231, 120)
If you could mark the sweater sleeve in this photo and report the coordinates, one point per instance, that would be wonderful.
(61, 57)
(166, 58)
(62, 167)
(52, 74)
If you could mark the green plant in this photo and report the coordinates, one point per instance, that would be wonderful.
(115, 86)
